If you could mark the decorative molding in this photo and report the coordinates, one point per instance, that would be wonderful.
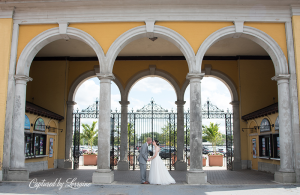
(180, 102)
(7, 12)
(152, 69)
(124, 103)
(93, 12)
(191, 76)
(22, 78)
(103, 76)
(239, 28)
(259, 37)
(44, 38)
(207, 68)
(63, 26)
(71, 103)
(295, 10)
(281, 77)
(150, 28)
(139, 32)
(149, 58)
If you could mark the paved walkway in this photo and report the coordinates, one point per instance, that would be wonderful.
(215, 175)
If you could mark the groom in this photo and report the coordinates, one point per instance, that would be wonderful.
(143, 158)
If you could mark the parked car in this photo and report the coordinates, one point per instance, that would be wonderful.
(205, 150)
(221, 150)
(166, 152)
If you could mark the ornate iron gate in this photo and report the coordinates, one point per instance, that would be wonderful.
(210, 111)
(156, 122)
(151, 121)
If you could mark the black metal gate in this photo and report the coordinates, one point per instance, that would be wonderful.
(158, 123)
(210, 111)
(151, 121)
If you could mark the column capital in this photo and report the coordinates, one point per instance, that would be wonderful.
(124, 103)
(71, 103)
(180, 102)
(102, 76)
(235, 103)
(282, 78)
(22, 79)
(195, 76)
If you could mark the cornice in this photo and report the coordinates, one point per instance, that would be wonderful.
(7, 12)
(95, 13)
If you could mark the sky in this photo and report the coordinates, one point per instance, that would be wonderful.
(162, 93)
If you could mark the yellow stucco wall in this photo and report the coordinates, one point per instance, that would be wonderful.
(296, 33)
(257, 91)
(49, 90)
(28, 32)
(275, 30)
(106, 33)
(6, 27)
(195, 32)
(52, 123)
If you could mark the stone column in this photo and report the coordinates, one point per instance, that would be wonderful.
(17, 171)
(286, 172)
(180, 164)
(123, 164)
(237, 165)
(69, 135)
(103, 174)
(195, 175)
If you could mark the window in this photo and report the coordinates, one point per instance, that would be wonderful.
(39, 125)
(265, 149)
(277, 124)
(35, 144)
(276, 146)
(265, 125)
(28, 144)
(27, 123)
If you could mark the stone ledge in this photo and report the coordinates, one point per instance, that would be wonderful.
(123, 166)
(103, 177)
(196, 178)
(180, 166)
(284, 177)
(18, 175)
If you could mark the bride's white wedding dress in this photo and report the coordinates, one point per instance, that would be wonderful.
(158, 173)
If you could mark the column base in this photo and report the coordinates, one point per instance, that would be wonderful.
(103, 176)
(285, 177)
(18, 175)
(180, 165)
(123, 166)
(237, 166)
(68, 164)
(196, 178)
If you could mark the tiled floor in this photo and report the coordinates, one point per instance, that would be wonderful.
(215, 175)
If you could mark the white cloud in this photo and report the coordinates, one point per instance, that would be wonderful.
(152, 84)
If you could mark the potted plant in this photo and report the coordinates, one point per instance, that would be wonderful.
(204, 161)
(89, 133)
(131, 157)
(212, 134)
(174, 157)
(215, 159)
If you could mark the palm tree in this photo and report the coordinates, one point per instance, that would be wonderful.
(89, 133)
(212, 134)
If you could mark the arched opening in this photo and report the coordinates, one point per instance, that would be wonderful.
(216, 95)
(251, 70)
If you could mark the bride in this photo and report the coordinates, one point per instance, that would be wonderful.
(158, 173)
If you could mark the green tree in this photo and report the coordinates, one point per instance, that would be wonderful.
(89, 133)
(212, 134)
(169, 134)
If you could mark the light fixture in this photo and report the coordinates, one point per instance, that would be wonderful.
(153, 38)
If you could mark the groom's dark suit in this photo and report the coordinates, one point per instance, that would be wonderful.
(143, 157)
